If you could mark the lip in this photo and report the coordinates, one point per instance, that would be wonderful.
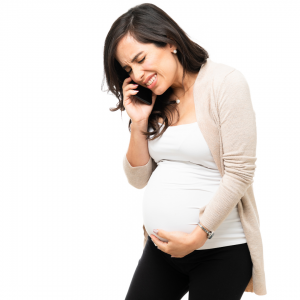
(152, 84)
(148, 78)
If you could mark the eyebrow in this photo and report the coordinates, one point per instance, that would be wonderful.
(135, 57)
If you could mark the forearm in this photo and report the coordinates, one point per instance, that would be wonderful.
(137, 163)
(138, 154)
(196, 237)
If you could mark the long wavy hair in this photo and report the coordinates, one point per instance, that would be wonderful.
(147, 23)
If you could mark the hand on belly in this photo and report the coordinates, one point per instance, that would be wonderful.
(170, 217)
(179, 243)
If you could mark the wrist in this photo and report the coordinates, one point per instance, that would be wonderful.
(140, 123)
(198, 237)
(209, 233)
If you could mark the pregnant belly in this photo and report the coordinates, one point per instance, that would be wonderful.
(173, 210)
(173, 198)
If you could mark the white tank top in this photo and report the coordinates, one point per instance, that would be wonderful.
(185, 179)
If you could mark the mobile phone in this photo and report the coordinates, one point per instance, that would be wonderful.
(144, 94)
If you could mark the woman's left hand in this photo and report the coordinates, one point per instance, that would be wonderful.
(179, 243)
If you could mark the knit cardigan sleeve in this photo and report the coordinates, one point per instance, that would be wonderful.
(237, 126)
(139, 176)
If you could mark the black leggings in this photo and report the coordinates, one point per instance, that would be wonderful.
(208, 274)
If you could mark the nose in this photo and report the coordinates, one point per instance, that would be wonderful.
(138, 76)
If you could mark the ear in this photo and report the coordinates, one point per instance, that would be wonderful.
(172, 45)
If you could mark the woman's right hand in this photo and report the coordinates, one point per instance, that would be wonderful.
(136, 110)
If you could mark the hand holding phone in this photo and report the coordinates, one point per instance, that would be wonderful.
(136, 110)
(144, 94)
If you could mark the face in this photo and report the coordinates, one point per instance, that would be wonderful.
(152, 60)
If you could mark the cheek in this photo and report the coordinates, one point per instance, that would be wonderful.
(149, 66)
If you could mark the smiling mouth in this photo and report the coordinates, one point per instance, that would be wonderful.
(153, 78)
(153, 83)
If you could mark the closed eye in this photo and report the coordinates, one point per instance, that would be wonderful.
(139, 63)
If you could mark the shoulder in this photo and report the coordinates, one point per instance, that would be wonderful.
(223, 76)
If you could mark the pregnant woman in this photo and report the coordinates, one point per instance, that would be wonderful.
(194, 151)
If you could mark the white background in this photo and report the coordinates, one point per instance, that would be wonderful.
(70, 224)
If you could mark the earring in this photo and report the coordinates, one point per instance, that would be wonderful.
(175, 51)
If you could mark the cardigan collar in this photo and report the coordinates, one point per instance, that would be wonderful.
(206, 119)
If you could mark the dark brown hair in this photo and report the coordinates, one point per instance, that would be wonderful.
(147, 23)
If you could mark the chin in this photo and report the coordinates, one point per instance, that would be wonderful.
(159, 92)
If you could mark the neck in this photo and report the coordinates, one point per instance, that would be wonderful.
(188, 82)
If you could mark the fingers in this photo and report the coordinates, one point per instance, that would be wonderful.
(130, 87)
(161, 245)
(129, 90)
(126, 81)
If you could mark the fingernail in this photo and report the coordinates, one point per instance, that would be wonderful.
(155, 231)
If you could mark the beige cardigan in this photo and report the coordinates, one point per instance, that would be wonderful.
(226, 119)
